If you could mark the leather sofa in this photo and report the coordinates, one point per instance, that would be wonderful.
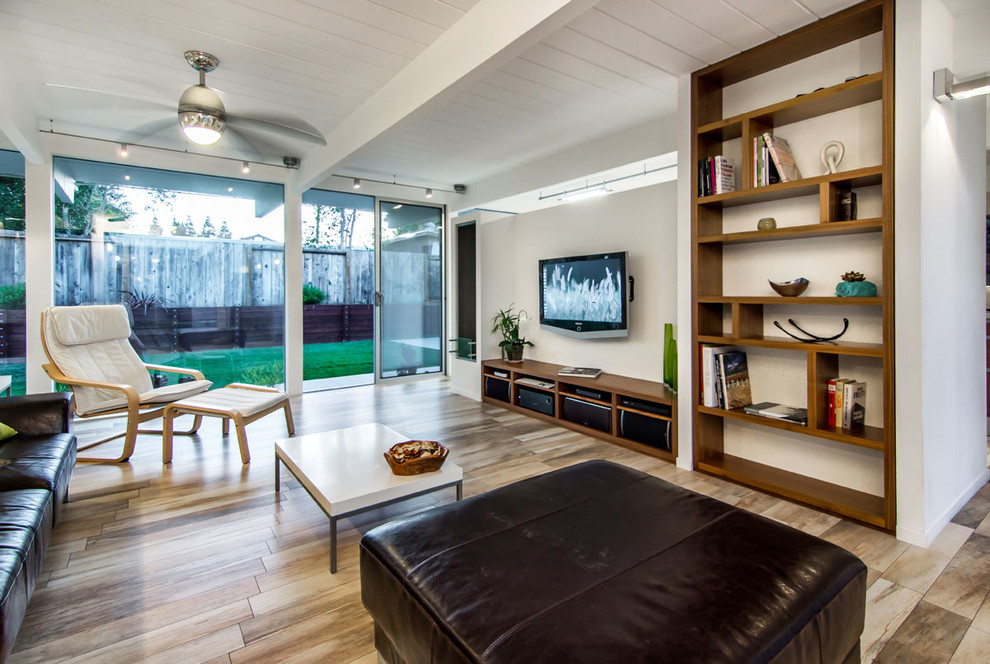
(600, 563)
(35, 467)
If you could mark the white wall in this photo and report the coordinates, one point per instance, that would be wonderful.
(939, 308)
(641, 222)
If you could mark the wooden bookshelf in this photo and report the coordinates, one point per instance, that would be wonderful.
(740, 320)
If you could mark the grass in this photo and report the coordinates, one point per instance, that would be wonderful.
(260, 366)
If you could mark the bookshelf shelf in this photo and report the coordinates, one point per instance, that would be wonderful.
(845, 95)
(743, 320)
(786, 343)
(842, 500)
(797, 232)
(813, 186)
(791, 301)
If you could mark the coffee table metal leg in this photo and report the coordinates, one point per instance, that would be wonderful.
(333, 545)
(460, 490)
(278, 483)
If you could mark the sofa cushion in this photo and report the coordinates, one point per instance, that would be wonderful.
(14, 595)
(38, 462)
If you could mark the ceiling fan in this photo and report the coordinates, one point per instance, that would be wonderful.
(203, 117)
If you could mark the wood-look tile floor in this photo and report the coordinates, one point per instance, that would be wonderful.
(200, 561)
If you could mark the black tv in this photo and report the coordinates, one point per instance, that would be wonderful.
(585, 296)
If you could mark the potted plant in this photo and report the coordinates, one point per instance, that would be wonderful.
(506, 323)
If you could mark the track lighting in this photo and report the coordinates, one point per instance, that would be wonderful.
(123, 149)
(245, 167)
(429, 193)
(357, 183)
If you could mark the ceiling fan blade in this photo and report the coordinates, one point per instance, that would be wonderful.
(242, 144)
(302, 133)
(149, 129)
(143, 100)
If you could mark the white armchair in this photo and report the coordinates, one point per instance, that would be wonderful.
(88, 350)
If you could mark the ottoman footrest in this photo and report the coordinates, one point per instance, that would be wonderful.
(602, 563)
(239, 402)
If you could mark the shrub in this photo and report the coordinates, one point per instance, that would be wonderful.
(12, 296)
(269, 375)
(312, 295)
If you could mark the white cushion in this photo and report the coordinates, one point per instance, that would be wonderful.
(164, 394)
(230, 400)
(85, 325)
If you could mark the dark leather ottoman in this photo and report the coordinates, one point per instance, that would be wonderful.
(601, 563)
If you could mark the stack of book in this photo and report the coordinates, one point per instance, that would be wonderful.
(846, 405)
(773, 161)
(716, 175)
(724, 377)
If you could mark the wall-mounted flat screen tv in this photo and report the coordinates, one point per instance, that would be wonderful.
(585, 296)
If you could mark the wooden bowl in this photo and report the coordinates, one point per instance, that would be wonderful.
(402, 460)
(791, 288)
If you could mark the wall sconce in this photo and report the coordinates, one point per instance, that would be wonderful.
(945, 89)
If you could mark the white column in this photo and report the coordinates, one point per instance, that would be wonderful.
(39, 247)
(293, 293)
(685, 347)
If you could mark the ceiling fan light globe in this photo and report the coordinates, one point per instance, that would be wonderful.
(201, 128)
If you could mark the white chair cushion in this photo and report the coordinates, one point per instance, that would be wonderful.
(85, 325)
(230, 400)
(164, 394)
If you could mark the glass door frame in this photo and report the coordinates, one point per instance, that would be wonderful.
(444, 305)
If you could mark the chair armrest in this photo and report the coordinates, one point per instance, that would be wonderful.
(38, 414)
(179, 370)
(133, 400)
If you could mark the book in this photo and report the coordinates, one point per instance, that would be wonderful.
(778, 411)
(830, 403)
(782, 157)
(853, 404)
(580, 372)
(724, 174)
(840, 399)
(734, 376)
(709, 396)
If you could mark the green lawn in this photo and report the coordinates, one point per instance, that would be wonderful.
(260, 366)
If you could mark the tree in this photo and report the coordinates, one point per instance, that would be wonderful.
(178, 230)
(190, 229)
(76, 218)
(224, 231)
(331, 227)
(208, 229)
(12, 203)
(155, 228)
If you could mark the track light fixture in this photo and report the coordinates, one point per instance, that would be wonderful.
(245, 167)
(357, 183)
(429, 193)
(123, 149)
(944, 87)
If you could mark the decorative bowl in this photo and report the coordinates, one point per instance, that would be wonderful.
(791, 288)
(416, 456)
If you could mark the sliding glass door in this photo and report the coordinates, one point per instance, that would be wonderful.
(410, 293)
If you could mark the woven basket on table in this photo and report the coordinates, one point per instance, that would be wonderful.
(426, 463)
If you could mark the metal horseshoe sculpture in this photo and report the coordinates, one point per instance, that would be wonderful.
(812, 338)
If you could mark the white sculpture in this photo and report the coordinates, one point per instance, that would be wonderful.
(831, 155)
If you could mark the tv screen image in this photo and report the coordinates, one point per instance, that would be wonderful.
(584, 295)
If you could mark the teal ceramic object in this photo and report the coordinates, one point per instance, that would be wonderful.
(856, 289)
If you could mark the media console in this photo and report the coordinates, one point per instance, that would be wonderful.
(638, 414)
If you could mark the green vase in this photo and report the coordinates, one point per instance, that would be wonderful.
(669, 357)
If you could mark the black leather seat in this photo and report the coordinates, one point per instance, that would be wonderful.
(35, 467)
(601, 563)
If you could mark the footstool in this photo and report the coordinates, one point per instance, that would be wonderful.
(599, 563)
(239, 402)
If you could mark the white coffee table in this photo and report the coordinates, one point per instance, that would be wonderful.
(345, 472)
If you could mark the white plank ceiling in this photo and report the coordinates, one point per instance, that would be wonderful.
(113, 69)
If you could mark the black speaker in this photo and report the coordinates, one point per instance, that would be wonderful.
(644, 429)
(593, 394)
(541, 402)
(497, 389)
(589, 414)
(647, 406)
